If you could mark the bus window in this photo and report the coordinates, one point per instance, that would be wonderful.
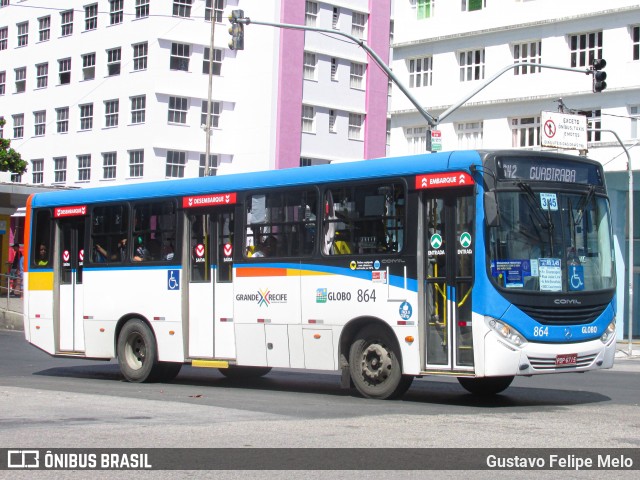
(281, 224)
(364, 219)
(109, 232)
(41, 248)
(154, 232)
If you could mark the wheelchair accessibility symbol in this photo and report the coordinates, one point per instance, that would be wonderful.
(173, 280)
(576, 277)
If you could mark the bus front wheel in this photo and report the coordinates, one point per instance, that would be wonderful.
(138, 352)
(485, 386)
(374, 364)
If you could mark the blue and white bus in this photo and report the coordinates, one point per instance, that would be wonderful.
(483, 265)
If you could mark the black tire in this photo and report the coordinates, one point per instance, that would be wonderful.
(375, 366)
(167, 371)
(485, 386)
(138, 352)
(238, 372)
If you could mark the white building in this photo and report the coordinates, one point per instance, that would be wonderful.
(445, 50)
(109, 91)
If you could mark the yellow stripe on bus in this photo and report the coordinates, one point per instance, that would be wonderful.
(40, 280)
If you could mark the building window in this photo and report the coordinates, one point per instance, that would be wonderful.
(182, 8)
(86, 116)
(420, 72)
(594, 124)
(178, 107)
(111, 111)
(469, 135)
(60, 169)
(4, 35)
(217, 61)
(175, 164)
(42, 75)
(473, 5)
(357, 75)
(116, 11)
(64, 71)
(530, 52)
(84, 168)
(66, 23)
(21, 79)
(23, 34)
(334, 69)
(44, 28)
(335, 19)
(136, 163)
(471, 65)
(213, 165)
(113, 61)
(140, 53)
(635, 42)
(358, 24)
(355, 126)
(37, 170)
(310, 62)
(16, 178)
(18, 125)
(310, 13)
(142, 8)
(388, 131)
(91, 17)
(416, 139)
(308, 119)
(424, 8)
(180, 54)
(138, 109)
(62, 119)
(109, 161)
(332, 121)
(633, 113)
(3, 82)
(525, 132)
(585, 48)
(215, 113)
(89, 66)
(40, 122)
(219, 8)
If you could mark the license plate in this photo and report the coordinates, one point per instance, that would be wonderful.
(566, 359)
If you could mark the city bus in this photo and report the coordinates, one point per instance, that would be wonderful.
(481, 265)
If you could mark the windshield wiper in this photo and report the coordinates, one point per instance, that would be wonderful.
(584, 203)
(545, 221)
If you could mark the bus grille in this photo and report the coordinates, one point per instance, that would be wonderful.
(540, 363)
(563, 315)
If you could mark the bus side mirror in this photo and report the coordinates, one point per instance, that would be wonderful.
(491, 209)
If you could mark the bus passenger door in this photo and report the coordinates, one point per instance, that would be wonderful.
(70, 260)
(448, 270)
(211, 284)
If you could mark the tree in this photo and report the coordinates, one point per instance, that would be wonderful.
(10, 160)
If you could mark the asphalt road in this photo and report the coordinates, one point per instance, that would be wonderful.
(54, 403)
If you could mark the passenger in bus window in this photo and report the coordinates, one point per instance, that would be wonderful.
(43, 256)
(267, 248)
(141, 252)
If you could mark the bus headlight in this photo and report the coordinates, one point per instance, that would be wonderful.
(609, 332)
(506, 332)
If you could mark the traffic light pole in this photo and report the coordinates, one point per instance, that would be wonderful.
(430, 120)
(207, 125)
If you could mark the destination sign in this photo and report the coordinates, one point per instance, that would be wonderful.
(548, 170)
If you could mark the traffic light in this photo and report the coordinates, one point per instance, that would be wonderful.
(599, 76)
(236, 30)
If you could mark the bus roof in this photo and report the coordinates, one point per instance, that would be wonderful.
(352, 171)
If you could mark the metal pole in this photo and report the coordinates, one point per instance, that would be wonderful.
(207, 127)
(630, 226)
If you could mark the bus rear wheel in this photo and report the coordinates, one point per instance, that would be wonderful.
(374, 365)
(138, 352)
(485, 386)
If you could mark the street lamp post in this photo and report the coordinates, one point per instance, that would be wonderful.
(207, 126)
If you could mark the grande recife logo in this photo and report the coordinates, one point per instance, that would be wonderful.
(210, 200)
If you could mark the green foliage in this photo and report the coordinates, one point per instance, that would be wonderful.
(10, 160)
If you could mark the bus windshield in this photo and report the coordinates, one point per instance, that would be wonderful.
(552, 241)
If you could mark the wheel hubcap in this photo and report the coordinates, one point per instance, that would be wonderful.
(376, 363)
(136, 351)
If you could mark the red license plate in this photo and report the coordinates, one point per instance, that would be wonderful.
(566, 359)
